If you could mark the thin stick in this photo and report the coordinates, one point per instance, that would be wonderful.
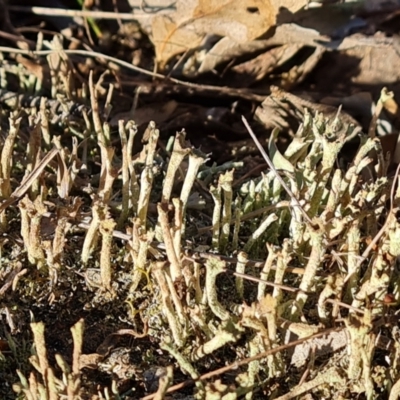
(385, 225)
(62, 12)
(268, 283)
(245, 361)
(86, 53)
(271, 165)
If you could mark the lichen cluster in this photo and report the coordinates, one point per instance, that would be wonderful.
(220, 285)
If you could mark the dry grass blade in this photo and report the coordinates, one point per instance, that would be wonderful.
(62, 12)
(28, 181)
(271, 165)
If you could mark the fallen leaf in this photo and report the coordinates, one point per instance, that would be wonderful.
(298, 73)
(227, 49)
(285, 110)
(240, 20)
(325, 19)
(361, 60)
(259, 67)
(293, 33)
(90, 361)
(237, 19)
(290, 5)
(170, 40)
(378, 62)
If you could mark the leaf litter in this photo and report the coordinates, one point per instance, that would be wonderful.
(151, 248)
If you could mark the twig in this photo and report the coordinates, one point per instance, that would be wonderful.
(245, 361)
(86, 53)
(271, 165)
(62, 12)
(385, 225)
(268, 283)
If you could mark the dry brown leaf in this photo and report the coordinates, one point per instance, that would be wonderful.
(90, 361)
(298, 73)
(227, 49)
(285, 110)
(379, 59)
(290, 5)
(259, 67)
(169, 39)
(291, 33)
(240, 20)
(326, 20)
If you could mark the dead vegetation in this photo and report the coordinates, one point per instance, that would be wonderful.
(135, 264)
